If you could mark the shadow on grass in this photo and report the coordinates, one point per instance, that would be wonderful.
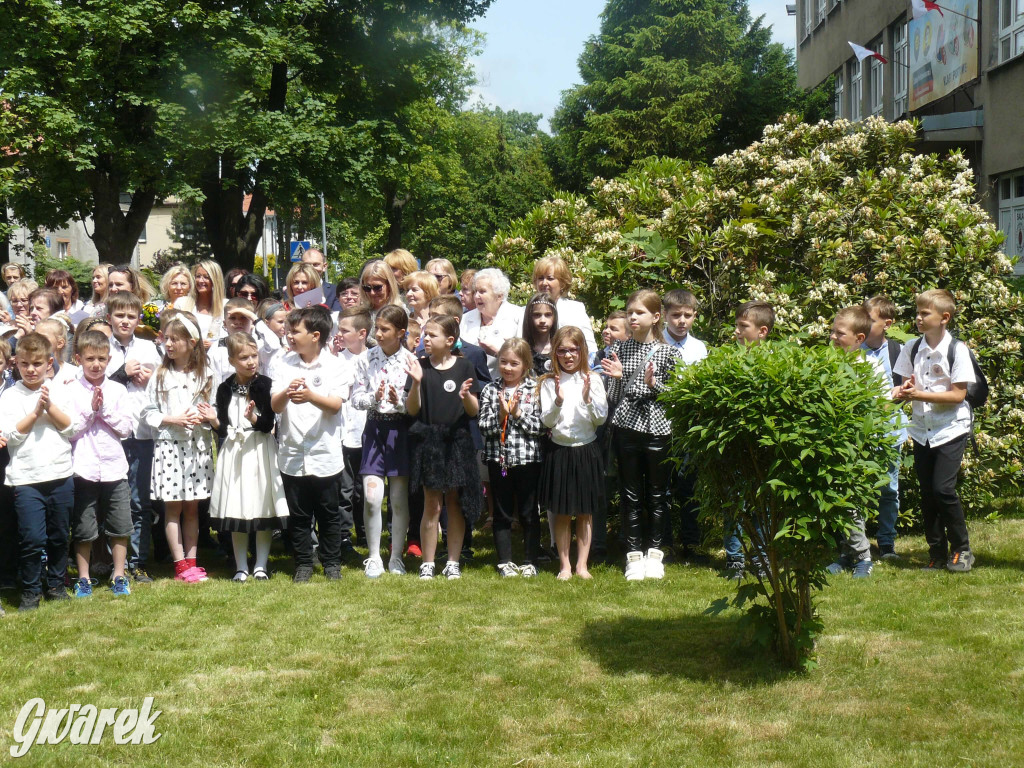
(695, 647)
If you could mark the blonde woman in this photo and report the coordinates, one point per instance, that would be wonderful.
(444, 272)
(402, 263)
(206, 299)
(124, 277)
(302, 277)
(96, 306)
(551, 276)
(176, 283)
(420, 288)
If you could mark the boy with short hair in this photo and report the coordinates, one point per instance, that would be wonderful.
(754, 321)
(38, 430)
(680, 310)
(877, 346)
(353, 328)
(238, 318)
(940, 424)
(102, 418)
(309, 387)
(849, 330)
(132, 362)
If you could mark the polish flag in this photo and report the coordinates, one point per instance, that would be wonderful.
(862, 53)
(921, 7)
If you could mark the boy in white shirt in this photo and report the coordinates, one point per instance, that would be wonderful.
(238, 318)
(38, 432)
(309, 387)
(940, 424)
(353, 328)
(132, 362)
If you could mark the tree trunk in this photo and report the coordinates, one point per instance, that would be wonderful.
(116, 233)
(396, 205)
(5, 234)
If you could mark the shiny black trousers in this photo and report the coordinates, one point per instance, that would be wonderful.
(645, 474)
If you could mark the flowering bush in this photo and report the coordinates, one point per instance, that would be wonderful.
(811, 218)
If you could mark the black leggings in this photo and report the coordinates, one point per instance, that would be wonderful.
(515, 494)
(645, 473)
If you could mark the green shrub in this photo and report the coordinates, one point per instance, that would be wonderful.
(788, 442)
(811, 218)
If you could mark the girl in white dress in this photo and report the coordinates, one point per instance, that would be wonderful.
(248, 495)
(180, 413)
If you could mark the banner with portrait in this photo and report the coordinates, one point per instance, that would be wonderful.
(943, 51)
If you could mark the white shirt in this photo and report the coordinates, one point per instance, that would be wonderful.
(269, 344)
(375, 367)
(220, 366)
(66, 374)
(692, 349)
(179, 392)
(572, 313)
(574, 422)
(44, 453)
(505, 325)
(309, 439)
(146, 354)
(935, 424)
(354, 418)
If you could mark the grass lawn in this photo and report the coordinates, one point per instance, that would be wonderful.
(916, 669)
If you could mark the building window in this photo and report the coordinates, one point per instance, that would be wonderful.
(805, 6)
(63, 247)
(1011, 215)
(822, 12)
(142, 235)
(837, 102)
(1011, 29)
(875, 83)
(856, 90)
(900, 70)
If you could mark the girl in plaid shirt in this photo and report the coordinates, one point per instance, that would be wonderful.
(509, 420)
(638, 370)
(573, 406)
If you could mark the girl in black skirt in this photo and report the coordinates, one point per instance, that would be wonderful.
(573, 406)
(444, 463)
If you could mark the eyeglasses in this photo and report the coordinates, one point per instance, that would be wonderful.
(440, 277)
(247, 294)
(567, 351)
(379, 288)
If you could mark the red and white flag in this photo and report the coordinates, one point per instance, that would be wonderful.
(862, 53)
(921, 7)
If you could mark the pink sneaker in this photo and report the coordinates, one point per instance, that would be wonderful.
(193, 575)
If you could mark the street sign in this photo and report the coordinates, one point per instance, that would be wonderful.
(299, 247)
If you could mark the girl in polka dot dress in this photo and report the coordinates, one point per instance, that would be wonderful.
(179, 411)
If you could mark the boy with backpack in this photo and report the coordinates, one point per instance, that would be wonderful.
(937, 371)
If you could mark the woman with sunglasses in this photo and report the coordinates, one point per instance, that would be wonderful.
(252, 287)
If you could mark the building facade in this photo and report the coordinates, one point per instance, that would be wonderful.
(958, 69)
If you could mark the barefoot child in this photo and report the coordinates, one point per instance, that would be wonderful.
(573, 406)
(513, 451)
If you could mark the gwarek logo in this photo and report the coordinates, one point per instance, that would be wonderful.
(82, 725)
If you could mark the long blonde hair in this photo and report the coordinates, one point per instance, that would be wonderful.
(379, 269)
(212, 268)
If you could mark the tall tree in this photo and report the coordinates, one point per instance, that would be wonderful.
(682, 78)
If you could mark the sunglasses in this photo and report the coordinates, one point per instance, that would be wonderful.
(374, 288)
(247, 294)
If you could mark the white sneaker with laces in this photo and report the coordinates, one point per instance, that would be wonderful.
(397, 567)
(635, 567)
(508, 570)
(426, 571)
(654, 568)
(373, 567)
(452, 571)
(528, 571)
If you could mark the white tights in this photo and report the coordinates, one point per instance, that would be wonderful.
(240, 543)
(373, 495)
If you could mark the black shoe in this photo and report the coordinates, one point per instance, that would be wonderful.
(734, 570)
(29, 601)
(332, 573)
(303, 574)
(349, 554)
(57, 594)
(140, 576)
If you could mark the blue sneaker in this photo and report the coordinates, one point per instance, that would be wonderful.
(83, 587)
(862, 569)
(121, 586)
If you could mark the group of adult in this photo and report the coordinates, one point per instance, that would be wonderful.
(489, 318)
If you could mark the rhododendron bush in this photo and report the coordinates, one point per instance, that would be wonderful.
(811, 218)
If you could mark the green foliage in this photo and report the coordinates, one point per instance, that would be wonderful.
(790, 443)
(811, 218)
(684, 78)
(81, 271)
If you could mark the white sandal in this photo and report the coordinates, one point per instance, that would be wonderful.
(241, 577)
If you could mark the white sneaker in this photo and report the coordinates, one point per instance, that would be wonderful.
(452, 571)
(426, 571)
(635, 569)
(654, 568)
(373, 567)
(508, 570)
(528, 571)
(396, 567)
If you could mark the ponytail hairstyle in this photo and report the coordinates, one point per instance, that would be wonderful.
(529, 333)
(651, 301)
(521, 349)
(449, 327)
(570, 334)
(196, 363)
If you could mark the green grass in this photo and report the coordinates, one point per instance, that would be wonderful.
(916, 669)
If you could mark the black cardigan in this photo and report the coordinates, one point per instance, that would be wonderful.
(259, 393)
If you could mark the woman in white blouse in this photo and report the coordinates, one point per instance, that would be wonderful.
(551, 276)
(494, 320)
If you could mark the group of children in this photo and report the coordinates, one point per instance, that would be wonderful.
(313, 428)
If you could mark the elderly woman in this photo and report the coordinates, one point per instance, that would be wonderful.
(494, 320)
(551, 276)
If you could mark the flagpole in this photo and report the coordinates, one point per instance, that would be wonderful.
(957, 13)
